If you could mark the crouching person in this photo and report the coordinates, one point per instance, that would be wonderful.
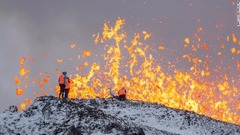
(122, 94)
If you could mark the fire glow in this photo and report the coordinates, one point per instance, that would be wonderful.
(194, 90)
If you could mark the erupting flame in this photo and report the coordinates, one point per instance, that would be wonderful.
(196, 89)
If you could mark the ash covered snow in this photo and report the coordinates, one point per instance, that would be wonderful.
(50, 115)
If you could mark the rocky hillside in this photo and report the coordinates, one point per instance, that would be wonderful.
(50, 115)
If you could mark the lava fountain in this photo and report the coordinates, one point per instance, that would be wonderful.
(132, 63)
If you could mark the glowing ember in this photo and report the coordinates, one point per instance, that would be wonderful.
(228, 38)
(234, 39)
(31, 59)
(146, 35)
(23, 71)
(22, 61)
(17, 81)
(233, 50)
(187, 40)
(86, 64)
(41, 86)
(56, 71)
(59, 60)
(72, 46)
(86, 53)
(161, 47)
(219, 53)
(205, 46)
(19, 91)
(96, 38)
(25, 103)
(46, 79)
(45, 93)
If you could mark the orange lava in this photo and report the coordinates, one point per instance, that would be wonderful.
(195, 89)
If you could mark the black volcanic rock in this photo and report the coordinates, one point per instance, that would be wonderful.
(50, 115)
(12, 108)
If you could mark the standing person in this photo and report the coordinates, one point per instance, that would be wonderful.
(122, 94)
(62, 83)
(67, 87)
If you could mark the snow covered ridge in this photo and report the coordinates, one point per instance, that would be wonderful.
(50, 115)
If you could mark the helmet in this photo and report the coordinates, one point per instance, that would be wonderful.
(64, 72)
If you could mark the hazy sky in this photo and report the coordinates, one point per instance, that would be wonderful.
(33, 28)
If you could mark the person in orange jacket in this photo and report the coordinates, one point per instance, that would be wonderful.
(62, 83)
(122, 94)
(67, 87)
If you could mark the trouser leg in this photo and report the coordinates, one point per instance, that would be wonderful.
(66, 93)
(124, 97)
(119, 97)
(62, 88)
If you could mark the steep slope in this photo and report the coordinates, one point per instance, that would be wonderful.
(50, 115)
